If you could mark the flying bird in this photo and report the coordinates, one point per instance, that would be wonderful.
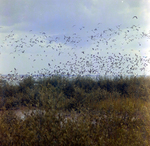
(135, 17)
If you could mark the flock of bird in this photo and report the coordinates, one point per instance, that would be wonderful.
(105, 52)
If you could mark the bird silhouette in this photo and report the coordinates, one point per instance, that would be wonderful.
(135, 17)
(101, 51)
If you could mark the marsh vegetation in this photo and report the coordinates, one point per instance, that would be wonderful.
(99, 112)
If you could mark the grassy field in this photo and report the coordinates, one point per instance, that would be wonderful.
(101, 112)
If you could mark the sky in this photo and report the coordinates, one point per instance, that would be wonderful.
(75, 37)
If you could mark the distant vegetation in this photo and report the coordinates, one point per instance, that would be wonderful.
(79, 91)
(120, 107)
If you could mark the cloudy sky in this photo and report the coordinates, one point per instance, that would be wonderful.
(74, 36)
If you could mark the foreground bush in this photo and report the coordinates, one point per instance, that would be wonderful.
(111, 122)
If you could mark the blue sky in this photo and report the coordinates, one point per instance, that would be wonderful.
(74, 36)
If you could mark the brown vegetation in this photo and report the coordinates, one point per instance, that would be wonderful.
(82, 111)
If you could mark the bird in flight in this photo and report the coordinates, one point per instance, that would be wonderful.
(135, 17)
